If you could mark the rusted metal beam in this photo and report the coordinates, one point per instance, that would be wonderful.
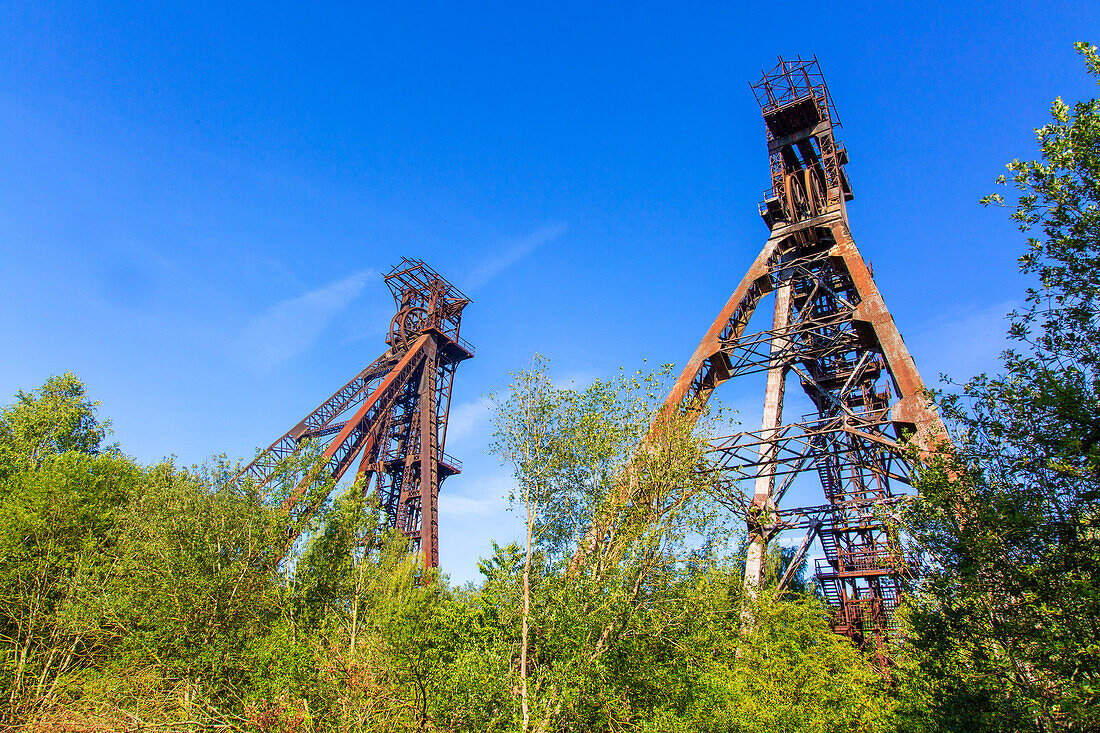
(799, 556)
(392, 416)
(842, 345)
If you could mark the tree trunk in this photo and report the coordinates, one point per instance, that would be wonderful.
(526, 613)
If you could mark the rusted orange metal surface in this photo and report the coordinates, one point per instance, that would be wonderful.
(832, 331)
(392, 415)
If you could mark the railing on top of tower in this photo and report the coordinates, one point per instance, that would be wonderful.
(801, 124)
(792, 81)
(419, 292)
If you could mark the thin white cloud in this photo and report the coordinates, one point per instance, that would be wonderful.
(463, 506)
(962, 344)
(467, 420)
(514, 252)
(292, 326)
(490, 498)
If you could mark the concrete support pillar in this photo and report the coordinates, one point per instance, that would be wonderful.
(762, 506)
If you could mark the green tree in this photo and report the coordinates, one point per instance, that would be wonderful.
(1012, 604)
(790, 672)
(525, 437)
(191, 580)
(645, 632)
(56, 418)
(61, 493)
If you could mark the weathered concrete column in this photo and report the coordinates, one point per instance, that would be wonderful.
(762, 508)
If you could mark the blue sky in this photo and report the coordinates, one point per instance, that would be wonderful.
(197, 200)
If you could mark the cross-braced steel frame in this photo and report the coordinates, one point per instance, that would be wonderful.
(830, 330)
(392, 416)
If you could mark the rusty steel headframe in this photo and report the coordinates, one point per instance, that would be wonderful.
(831, 330)
(392, 416)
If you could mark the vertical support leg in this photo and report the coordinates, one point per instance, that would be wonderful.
(760, 519)
(429, 459)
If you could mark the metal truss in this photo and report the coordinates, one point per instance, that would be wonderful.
(392, 416)
(832, 332)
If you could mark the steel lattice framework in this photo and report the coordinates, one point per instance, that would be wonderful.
(392, 416)
(830, 330)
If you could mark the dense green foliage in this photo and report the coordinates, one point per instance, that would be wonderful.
(150, 597)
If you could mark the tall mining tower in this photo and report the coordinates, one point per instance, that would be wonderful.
(832, 333)
(392, 416)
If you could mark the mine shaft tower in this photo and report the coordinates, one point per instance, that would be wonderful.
(830, 330)
(392, 416)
